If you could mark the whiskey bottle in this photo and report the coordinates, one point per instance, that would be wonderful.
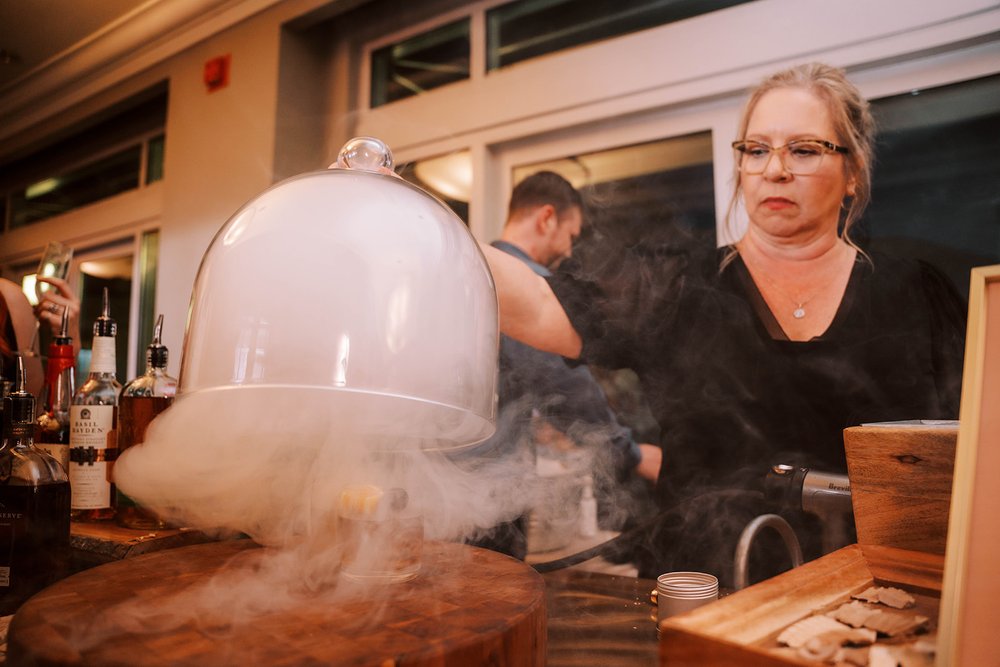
(52, 424)
(141, 400)
(34, 506)
(91, 423)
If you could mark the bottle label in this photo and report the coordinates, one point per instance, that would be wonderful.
(13, 520)
(90, 457)
(34, 540)
(102, 356)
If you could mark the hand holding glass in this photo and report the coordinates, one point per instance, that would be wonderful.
(54, 264)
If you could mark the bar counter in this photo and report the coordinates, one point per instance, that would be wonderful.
(593, 618)
(599, 619)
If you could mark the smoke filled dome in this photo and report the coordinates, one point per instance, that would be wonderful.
(343, 329)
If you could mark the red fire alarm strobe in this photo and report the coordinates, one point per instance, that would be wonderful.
(217, 73)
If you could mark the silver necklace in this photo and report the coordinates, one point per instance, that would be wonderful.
(800, 306)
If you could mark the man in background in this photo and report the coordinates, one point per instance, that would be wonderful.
(543, 401)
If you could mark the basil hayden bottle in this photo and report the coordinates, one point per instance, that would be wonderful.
(91, 420)
(34, 505)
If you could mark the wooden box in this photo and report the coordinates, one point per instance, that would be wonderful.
(901, 488)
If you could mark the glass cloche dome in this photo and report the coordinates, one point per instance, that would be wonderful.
(356, 294)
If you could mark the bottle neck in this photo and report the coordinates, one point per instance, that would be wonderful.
(63, 390)
(59, 379)
(13, 442)
(102, 359)
(60, 357)
(17, 434)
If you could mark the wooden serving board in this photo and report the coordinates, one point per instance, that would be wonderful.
(741, 629)
(468, 606)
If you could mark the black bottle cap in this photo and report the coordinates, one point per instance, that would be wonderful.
(156, 352)
(104, 325)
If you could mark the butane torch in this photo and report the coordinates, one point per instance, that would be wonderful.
(822, 494)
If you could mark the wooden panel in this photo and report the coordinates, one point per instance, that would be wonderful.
(901, 484)
(913, 570)
(971, 586)
(740, 629)
(105, 542)
(468, 607)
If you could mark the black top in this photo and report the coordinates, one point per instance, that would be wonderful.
(734, 396)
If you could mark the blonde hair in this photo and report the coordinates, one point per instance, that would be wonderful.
(852, 123)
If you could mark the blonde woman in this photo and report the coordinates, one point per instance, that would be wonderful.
(763, 352)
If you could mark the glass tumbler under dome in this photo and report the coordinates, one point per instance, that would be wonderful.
(357, 293)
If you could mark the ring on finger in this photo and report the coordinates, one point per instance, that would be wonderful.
(52, 308)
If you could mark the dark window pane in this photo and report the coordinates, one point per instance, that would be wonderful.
(121, 125)
(64, 192)
(154, 159)
(421, 63)
(937, 166)
(641, 194)
(525, 29)
(91, 292)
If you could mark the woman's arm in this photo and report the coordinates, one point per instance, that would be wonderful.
(529, 310)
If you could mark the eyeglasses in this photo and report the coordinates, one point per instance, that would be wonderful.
(801, 157)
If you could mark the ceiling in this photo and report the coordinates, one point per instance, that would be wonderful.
(33, 31)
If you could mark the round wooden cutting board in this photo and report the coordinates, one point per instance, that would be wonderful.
(467, 607)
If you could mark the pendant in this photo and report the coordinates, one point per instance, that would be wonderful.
(799, 313)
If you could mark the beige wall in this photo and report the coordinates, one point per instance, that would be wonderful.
(218, 154)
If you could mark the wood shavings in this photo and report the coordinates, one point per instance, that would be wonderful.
(851, 635)
(798, 633)
(849, 655)
(852, 613)
(894, 623)
(819, 649)
(824, 647)
(881, 656)
(887, 595)
(905, 655)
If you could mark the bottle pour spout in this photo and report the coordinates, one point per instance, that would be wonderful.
(105, 325)
(20, 403)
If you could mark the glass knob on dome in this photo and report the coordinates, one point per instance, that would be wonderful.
(365, 154)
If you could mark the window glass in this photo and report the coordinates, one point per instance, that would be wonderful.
(641, 192)
(149, 252)
(421, 63)
(65, 174)
(447, 177)
(154, 159)
(115, 273)
(937, 166)
(63, 192)
(525, 29)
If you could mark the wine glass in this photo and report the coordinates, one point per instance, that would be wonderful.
(54, 264)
